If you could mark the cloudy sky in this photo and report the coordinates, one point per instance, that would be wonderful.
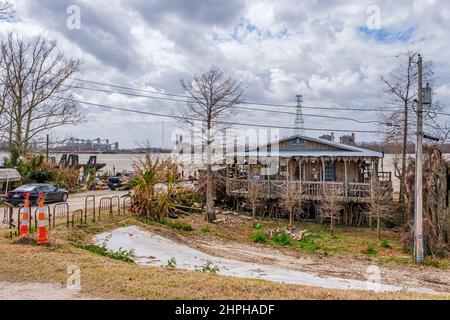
(331, 52)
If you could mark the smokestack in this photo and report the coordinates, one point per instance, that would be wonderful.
(332, 136)
(353, 137)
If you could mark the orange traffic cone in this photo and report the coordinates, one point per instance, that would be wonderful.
(42, 229)
(24, 221)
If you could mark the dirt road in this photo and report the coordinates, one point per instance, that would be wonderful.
(37, 291)
(250, 261)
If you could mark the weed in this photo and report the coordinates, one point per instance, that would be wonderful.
(282, 239)
(121, 254)
(178, 225)
(258, 226)
(437, 262)
(370, 250)
(259, 236)
(385, 244)
(207, 230)
(308, 244)
(171, 263)
(208, 267)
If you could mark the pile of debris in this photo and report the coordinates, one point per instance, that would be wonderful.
(296, 235)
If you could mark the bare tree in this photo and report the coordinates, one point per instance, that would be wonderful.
(212, 96)
(331, 206)
(253, 196)
(34, 76)
(401, 87)
(290, 199)
(6, 10)
(381, 205)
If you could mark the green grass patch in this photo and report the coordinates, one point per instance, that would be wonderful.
(308, 244)
(437, 262)
(259, 236)
(385, 244)
(177, 225)
(281, 239)
(370, 250)
(208, 231)
(121, 254)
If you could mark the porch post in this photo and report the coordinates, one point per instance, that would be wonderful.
(372, 177)
(287, 168)
(323, 175)
(300, 173)
(345, 178)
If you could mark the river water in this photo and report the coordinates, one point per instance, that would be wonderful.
(124, 162)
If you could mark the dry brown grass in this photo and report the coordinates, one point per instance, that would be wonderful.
(107, 278)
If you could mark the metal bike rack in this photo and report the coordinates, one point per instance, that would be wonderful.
(89, 200)
(105, 204)
(74, 214)
(60, 209)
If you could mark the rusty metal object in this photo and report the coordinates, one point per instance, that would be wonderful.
(124, 207)
(115, 203)
(89, 200)
(60, 209)
(74, 214)
(105, 204)
(8, 212)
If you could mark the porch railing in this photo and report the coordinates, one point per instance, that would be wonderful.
(273, 188)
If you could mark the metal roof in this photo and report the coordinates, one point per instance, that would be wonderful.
(347, 151)
(10, 175)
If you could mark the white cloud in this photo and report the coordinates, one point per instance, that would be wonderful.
(277, 49)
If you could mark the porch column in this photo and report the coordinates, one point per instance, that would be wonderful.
(323, 175)
(300, 174)
(287, 168)
(345, 178)
(372, 177)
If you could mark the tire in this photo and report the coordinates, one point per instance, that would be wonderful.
(65, 197)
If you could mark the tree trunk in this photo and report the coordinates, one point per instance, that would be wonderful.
(254, 215)
(378, 227)
(210, 214)
(290, 218)
(332, 226)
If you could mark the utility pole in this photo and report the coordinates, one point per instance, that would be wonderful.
(46, 149)
(418, 214)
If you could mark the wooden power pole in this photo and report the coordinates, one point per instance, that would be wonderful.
(46, 147)
(418, 212)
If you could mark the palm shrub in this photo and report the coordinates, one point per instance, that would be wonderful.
(154, 186)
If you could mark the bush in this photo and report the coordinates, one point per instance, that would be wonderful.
(282, 239)
(385, 244)
(205, 229)
(208, 267)
(187, 197)
(308, 244)
(259, 236)
(370, 250)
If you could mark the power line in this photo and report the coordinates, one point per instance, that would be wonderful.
(236, 107)
(241, 102)
(214, 121)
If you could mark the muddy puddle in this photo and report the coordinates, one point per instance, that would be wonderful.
(154, 250)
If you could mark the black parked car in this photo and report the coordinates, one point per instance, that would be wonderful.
(116, 182)
(51, 194)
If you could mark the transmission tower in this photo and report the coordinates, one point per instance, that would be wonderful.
(299, 126)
